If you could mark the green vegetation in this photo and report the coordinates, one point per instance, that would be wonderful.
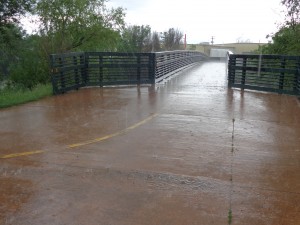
(64, 26)
(142, 39)
(77, 25)
(136, 39)
(11, 10)
(229, 217)
(287, 39)
(88, 25)
(15, 96)
(172, 39)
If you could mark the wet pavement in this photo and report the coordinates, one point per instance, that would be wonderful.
(189, 151)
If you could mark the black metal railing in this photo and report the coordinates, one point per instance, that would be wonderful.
(271, 73)
(72, 71)
(168, 63)
(68, 72)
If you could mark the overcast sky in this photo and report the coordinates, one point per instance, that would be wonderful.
(226, 20)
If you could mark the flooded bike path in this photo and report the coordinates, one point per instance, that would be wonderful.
(187, 151)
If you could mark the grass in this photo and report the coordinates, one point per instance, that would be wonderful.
(230, 217)
(15, 96)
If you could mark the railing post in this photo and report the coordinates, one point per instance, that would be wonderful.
(101, 70)
(244, 71)
(53, 72)
(152, 67)
(76, 75)
(298, 82)
(139, 69)
(231, 70)
(84, 70)
(281, 77)
(297, 78)
(62, 79)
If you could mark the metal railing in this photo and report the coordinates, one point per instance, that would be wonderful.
(112, 68)
(168, 63)
(72, 71)
(271, 73)
(68, 72)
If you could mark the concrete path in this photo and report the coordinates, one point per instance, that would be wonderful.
(187, 152)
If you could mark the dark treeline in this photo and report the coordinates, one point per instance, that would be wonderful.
(67, 26)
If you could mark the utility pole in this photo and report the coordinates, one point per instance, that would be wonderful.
(212, 40)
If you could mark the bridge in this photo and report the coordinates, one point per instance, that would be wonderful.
(188, 150)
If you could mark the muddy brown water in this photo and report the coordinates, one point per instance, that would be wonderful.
(188, 151)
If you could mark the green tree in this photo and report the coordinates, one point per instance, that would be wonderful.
(11, 33)
(70, 25)
(21, 63)
(30, 68)
(11, 36)
(172, 39)
(11, 10)
(156, 43)
(136, 39)
(292, 16)
(287, 39)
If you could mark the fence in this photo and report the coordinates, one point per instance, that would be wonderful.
(72, 71)
(272, 73)
(168, 63)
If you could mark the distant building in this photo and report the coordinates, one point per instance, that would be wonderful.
(218, 53)
(236, 48)
(204, 43)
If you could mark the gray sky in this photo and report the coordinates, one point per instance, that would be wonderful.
(226, 20)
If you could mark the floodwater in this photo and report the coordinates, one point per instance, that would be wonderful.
(187, 151)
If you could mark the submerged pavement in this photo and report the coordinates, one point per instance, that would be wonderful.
(189, 151)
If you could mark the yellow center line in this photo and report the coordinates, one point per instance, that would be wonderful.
(113, 135)
(15, 155)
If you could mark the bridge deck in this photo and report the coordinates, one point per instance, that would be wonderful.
(186, 152)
